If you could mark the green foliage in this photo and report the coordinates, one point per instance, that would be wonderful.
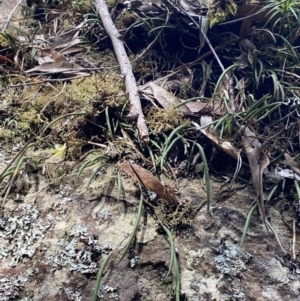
(99, 277)
(284, 15)
(135, 227)
(173, 263)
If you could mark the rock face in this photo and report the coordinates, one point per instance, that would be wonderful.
(52, 244)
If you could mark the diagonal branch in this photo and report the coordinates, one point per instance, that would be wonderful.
(126, 70)
(11, 15)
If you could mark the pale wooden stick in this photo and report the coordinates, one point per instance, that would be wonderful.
(126, 70)
(10, 15)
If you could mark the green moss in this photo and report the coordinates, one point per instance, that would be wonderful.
(183, 215)
(216, 14)
(4, 43)
(105, 91)
(30, 120)
(162, 120)
(37, 105)
(6, 134)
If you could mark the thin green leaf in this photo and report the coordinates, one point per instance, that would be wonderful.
(132, 235)
(110, 131)
(247, 223)
(95, 173)
(221, 78)
(119, 187)
(99, 277)
(206, 174)
(172, 250)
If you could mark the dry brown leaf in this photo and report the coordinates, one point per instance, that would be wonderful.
(5, 59)
(56, 67)
(47, 51)
(230, 150)
(151, 182)
(292, 163)
(166, 99)
(258, 162)
(66, 40)
(208, 132)
(57, 57)
(251, 138)
(204, 107)
(43, 59)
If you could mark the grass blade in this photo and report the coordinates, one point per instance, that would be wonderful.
(206, 174)
(99, 276)
(110, 131)
(172, 249)
(177, 279)
(132, 235)
(247, 223)
(95, 173)
(119, 187)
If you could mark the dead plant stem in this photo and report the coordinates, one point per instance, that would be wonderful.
(126, 70)
(10, 15)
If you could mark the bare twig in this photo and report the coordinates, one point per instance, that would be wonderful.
(126, 70)
(10, 15)
(294, 240)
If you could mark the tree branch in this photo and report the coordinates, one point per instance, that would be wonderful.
(126, 70)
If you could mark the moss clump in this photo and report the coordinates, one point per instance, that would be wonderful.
(104, 91)
(6, 134)
(4, 43)
(30, 122)
(128, 18)
(218, 12)
(183, 215)
(36, 106)
(162, 120)
(82, 95)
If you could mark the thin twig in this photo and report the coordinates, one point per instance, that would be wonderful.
(294, 240)
(10, 15)
(49, 80)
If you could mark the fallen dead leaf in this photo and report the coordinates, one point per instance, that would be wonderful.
(57, 57)
(292, 163)
(258, 162)
(147, 179)
(208, 132)
(166, 99)
(56, 67)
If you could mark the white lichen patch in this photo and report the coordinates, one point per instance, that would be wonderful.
(111, 291)
(10, 287)
(79, 252)
(232, 260)
(20, 232)
(72, 294)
